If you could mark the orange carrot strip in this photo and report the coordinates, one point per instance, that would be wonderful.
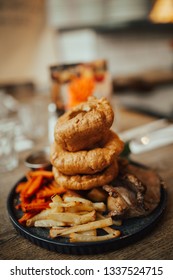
(35, 193)
(44, 173)
(25, 217)
(26, 187)
(58, 189)
(24, 201)
(46, 192)
(20, 186)
(54, 183)
(36, 206)
(34, 186)
(37, 200)
(18, 206)
(28, 177)
(27, 202)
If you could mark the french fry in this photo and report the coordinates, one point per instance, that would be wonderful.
(91, 232)
(56, 198)
(81, 207)
(77, 237)
(63, 204)
(78, 228)
(79, 199)
(72, 206)
(115, 222)
(48, 223)
(73, 218)
(110, 230)
(99, 206)
(43, 215)
(70, 193)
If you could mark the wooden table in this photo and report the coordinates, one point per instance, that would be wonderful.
(158, 244)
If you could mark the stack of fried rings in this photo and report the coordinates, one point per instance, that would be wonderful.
(84, 125)
(95, 164)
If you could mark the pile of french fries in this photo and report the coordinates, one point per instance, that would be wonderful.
(75, 217)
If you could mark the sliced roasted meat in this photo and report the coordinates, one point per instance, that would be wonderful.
(136, 185)
(133, 195)
(122, 202)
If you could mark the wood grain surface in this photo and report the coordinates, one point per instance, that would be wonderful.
(158, 244)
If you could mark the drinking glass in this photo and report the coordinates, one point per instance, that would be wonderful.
(8, 154)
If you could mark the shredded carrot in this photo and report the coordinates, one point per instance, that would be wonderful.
(80, 88)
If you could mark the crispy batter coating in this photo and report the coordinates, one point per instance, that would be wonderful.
(84, 125)
(87, 161)
(86, 182)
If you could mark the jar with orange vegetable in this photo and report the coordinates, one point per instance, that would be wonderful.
(74, 83)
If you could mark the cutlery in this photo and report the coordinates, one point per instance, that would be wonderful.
(143, 129)
(149, 140)
(152, 140)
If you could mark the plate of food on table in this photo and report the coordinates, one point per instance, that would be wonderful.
(92, 199)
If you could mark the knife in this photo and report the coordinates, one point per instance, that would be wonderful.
(149, 141)
(142, 129)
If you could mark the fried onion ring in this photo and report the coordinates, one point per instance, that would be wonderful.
(86, 182)
(84, 125)
(87, 161)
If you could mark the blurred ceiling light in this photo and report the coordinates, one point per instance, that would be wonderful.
(162, 11)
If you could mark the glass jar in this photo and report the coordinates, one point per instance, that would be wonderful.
(74, 83)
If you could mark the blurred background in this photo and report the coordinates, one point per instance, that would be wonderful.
(134, 37)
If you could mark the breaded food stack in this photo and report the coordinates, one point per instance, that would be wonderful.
(85, 150)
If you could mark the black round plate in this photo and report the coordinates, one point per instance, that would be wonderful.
(132, 230)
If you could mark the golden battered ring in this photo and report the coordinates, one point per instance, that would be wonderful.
(84, 125)
(86, 182)
(86, 161)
